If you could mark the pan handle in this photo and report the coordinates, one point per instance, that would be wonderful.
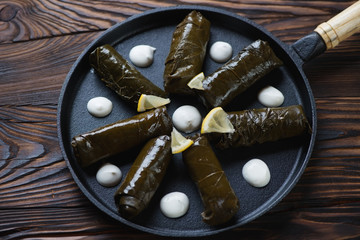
(329, 34)
(341, 26)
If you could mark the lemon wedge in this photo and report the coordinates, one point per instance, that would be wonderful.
(217, 121)
(178, 142)
(147, 102)
(196, 82)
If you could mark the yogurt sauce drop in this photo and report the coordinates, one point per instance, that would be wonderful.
(187, 119)
(174, 204)
(256, 173)
(99, 106)
(220, 51)
(142, 55)
(109, 175)
(271, 97)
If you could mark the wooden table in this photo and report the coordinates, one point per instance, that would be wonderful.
(39, 42)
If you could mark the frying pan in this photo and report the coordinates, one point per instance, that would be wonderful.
(286, 159)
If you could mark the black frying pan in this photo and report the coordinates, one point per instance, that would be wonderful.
(286, 159)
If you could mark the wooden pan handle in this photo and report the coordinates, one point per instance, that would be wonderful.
(341, 26)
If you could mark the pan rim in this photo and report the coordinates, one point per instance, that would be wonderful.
(193, 233)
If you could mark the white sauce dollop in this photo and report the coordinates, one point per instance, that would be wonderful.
(256, 173)
(187, 119)
(221, 51)
(142, 55)
(109, 175)
(99, 106)
(271, 97)
(174, 204)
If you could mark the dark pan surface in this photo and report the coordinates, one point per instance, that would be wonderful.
(286, 159)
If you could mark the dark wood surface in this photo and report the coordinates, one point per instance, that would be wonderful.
(39, 42)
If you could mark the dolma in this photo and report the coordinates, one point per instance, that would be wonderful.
(219, 199)
(120, 136)
(144, 177)
(238, 74)
(187, 53)
(263, 125)
(120, 76)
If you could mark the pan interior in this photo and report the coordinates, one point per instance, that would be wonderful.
(286, 159)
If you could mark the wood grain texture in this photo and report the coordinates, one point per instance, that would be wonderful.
(23, 20)
(39, 42)
(341, 26)
(30, 74)
(30, 154)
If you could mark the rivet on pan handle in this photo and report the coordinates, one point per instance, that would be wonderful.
(341, 26)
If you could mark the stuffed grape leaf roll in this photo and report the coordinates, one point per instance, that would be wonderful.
(144, 177)
(120, 136)
(263, 125)
(219, 199)
(238, 74)
(120, 76)
(187, 53)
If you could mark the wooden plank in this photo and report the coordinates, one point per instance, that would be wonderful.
(40, 40)
(29, 72)
(327, 222)
(26, 20)
(333, 73)
(32, 169)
